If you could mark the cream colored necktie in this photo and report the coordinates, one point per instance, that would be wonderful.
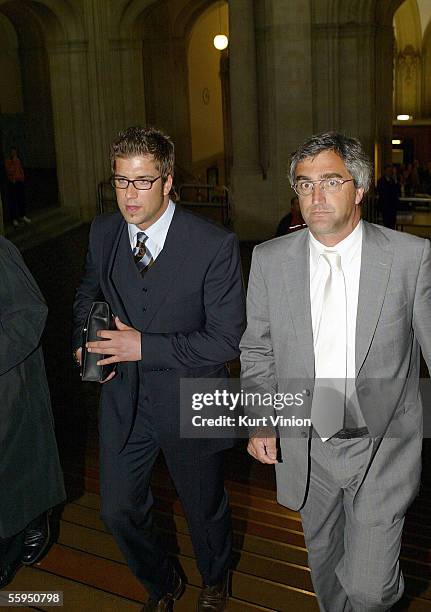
(330, 353)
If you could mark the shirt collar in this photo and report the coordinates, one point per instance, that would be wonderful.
(157, 231)
(347, 248)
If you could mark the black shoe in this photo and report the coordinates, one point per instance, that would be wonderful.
(214, 598)
(8, 572)
(166, 603)
(36, 540)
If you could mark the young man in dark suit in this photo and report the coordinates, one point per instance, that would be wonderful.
(174, 282)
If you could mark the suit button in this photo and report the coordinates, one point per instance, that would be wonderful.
(144, 289)
(307, 392)
(304, 434)
(144, 309)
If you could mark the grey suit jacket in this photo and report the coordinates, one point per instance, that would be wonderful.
(393, 323)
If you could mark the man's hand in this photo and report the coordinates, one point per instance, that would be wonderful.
(263, 449)
(123, 344)
(78, 356)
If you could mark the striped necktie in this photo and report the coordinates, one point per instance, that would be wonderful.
(141, 254)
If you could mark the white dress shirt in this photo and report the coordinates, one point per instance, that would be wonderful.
(156, 233)
(350, 250)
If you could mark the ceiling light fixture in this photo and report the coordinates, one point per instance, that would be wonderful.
(221, 41)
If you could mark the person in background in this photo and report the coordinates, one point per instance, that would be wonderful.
(293, 221)
(31, 480)
(16, 188)
(427, 179)
(414, 177)
(389, 192)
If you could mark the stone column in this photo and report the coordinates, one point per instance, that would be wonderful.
(128, 82)
(242, 59)
(40, 150)
(291, 110)
(352, 81)
(385, 114)
(76, 163)
(181, 108)
(271, 106)
(246, 175)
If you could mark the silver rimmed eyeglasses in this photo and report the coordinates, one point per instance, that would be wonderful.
(120, 182)
(329, 185)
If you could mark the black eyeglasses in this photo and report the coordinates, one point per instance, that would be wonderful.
(119, 182)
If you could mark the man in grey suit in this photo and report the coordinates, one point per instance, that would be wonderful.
(343, 301)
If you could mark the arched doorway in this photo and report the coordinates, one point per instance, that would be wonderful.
(208, 89)
(53, 65)
(25, 104)
(164, 95)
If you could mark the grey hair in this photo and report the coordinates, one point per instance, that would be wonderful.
(349, 149)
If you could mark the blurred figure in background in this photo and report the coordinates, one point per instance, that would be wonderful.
(16, 188)
(293, 221)
(427, 179)
(414, 177)
(389, 192)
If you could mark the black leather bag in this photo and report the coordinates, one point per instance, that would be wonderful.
(100, 317)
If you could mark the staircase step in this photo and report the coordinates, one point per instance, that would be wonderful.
(258, 557)
(45, 225)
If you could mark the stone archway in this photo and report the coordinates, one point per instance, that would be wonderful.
(352, 70)
(208, 91)
(27, 120)
(328, 67)
(63, 40)
(158, 79)
(152, 49)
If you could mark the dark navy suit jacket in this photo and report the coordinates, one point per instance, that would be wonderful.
(189, 308)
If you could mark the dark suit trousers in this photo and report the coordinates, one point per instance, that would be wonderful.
(126, 501)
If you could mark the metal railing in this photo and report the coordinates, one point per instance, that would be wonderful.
(415, 203)
(210, 201)
(107, 202)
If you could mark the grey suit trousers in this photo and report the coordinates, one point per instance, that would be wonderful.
(354, 567)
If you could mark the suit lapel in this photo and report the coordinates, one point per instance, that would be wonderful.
(111, 245)
(297, 279)
(376, 262)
